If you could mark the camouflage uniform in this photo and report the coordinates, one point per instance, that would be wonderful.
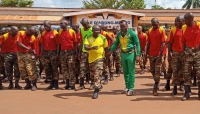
(117, 58)
(27, 65)
(84, 65)
(96, 69)
(67, 59)
(177, 68)
(163, 66)
(155, 68)
(108, 66)
(142, 60)
(51, 65)
(10, 62)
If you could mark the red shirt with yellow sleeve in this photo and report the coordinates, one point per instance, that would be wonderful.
(67, 39)
(50, 40)
(175, 39)
(191, 35)
(156, 38)
(8, 43)
(143, 40)
(28, 41)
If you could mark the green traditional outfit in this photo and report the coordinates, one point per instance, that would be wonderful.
(127, 46)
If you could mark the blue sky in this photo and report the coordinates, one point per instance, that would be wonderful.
(78, 3)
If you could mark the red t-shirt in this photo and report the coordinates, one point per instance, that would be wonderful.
(191, 35)
(156, 38)
(104, 33)
(37, 46)
(28, 41)
(68, 39)
(175, 39)
(8, 43)
(50, 40)
(78, 35)
(143, 40)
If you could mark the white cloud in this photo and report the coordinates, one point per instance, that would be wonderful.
(78, 3)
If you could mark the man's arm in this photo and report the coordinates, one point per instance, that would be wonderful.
(115, 44)
(23, 46)
(137, 43)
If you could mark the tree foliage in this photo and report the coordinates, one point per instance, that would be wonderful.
(157, 7)
(16, 3)
(191, 4)
(115, 4)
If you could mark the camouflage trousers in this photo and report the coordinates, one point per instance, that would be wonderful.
(117, 59)
(191, 58)
(163, 66)
(11, 64)
(67, 59)
(2, 67)
(177, 68)
(155, 66)
(84, 65)
(27, 65)
(108, 66)
(142, 62)
(51, 65)
(96, 70)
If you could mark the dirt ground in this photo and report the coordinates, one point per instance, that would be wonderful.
(110, 100)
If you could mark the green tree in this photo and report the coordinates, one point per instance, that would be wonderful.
(114, 4)
(169, 8)
(16, 3)
(191, 4)
(156, 7)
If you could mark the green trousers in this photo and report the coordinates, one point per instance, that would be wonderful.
(128, 64)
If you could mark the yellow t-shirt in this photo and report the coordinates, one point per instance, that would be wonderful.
(101, 42)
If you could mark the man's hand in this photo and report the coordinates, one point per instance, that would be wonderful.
(137, 59)
(108, 54)
(95, 47)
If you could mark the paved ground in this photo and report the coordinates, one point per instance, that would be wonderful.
(110, 100)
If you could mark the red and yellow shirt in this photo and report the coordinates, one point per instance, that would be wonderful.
(175, 39)
(50, 40)
(143, 40)
(28, 41)
(106, 34)
(191, 35)
(67, 39)
(156, 38)
(8, 43)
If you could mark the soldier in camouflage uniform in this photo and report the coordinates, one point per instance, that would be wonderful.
(27, 57)
(9, 48)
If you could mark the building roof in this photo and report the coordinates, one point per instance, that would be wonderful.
(103, 10)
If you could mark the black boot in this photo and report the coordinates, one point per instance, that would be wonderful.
(71, 87)
(155, 88)
(102, 77)
(87, 78)
(118, 72)
(182, 86)
(174, 92)
(17, 86)
(67, 85)
(187, 93)
(1, 86)
(81, 85)
(167, 86)
(195, 81)
(91, 85)
(165, 74)
(77, 80)
(106, 80)
(142, 72)
(34, 85)
(111, 76)
(28, 84)
(10, 85)
(95, 94)
(51, 85)
(56, 84)
(199, 90)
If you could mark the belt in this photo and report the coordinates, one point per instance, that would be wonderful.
(129, 51)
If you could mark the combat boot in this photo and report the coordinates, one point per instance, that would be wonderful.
(130, 93)
(1, 86)
(155, 88)
(56, 84)
(34, 85)
(142, 72)
(77, 80)
(28, 84)
(87, 78)
(199, 90)
(10, 85)
(81, 85)
(95, 94)
(111, 76)
(51, 85)
(187, 93)
(118, 72)
(167, 86)
(174, 92)
(91, 85)
(67, 85)
(17, 86)
(182, 86)
(106, 80)
(195, 81)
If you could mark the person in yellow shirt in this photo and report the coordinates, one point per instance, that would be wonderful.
(96, 45)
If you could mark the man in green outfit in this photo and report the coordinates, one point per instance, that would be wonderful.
(127, 38)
